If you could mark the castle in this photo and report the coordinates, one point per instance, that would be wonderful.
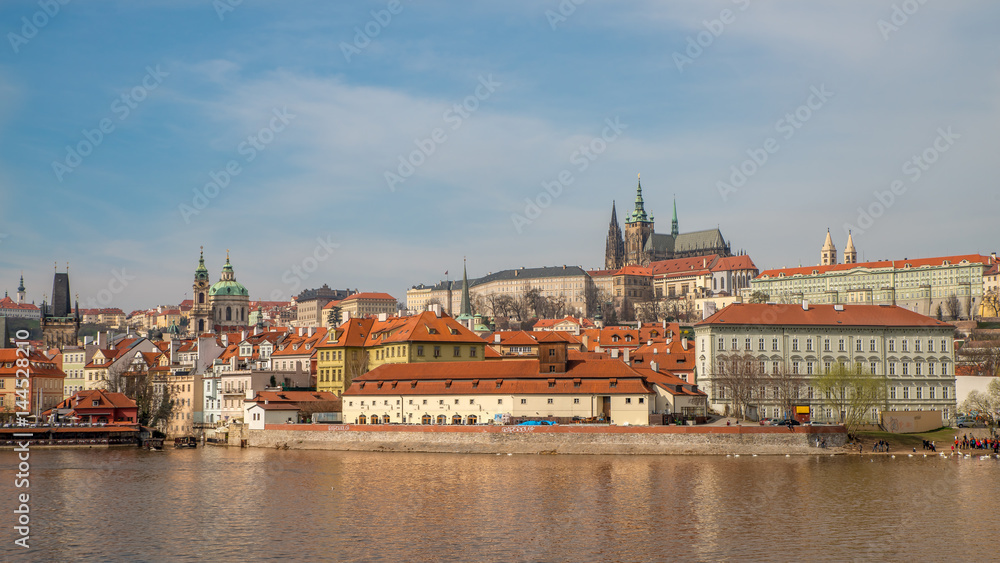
(640, 245)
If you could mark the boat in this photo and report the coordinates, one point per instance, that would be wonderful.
(153, 444)
(185, 442)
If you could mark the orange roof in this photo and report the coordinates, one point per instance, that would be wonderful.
(331, 305)
(894, 264)
(634, 271)
(742, 262)
(293, 397)
(39, 364)
(84, 400)
(677, 265)
(8, 303)
(820, 315)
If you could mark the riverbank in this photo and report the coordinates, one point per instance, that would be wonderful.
(565, 439)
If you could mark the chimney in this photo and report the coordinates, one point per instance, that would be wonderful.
(654, 351)
(345, 316)
(684, 343)
(614, 353)
(256, 330)
(626, 355)
(243, 335)
(382, 317)
(805, 304)
(310, 331)
(654, 366)
(300, 331)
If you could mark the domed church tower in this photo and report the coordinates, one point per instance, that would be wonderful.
(201, 310)
(230, 301)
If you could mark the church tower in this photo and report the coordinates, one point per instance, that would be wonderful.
(20, 291)
(674, 230)
(614, 252)
(850, 253)
(638, 230)
(229, 300)
(829, 252)
(201, 311)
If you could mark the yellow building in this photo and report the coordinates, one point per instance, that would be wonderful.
(360, 345)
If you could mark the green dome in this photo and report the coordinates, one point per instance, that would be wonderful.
(230, 287)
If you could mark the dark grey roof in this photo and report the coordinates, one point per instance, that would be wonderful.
(323, 293)
(440, 286)
(710, 239)
(531, 273)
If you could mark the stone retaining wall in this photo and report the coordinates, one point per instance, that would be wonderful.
(554, 439)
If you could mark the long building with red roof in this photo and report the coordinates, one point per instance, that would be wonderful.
(923, 285)
(785, 349)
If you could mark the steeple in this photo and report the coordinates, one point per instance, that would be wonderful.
(20, 291)
(829, 253)
(673, 224)
(614, 250)
(639, 214)
(466, 310)
(850, 253)
(227, 270)
(201, 272)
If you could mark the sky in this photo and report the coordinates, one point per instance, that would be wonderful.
(375, 145)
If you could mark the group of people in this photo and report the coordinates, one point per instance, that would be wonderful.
(974, 443)
(929, 445)
(881, 446)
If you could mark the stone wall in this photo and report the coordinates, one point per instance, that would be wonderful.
(551, 440)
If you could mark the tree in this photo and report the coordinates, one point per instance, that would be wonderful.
(981, 353)
(851, 393)
(787, 390)
(758, 296)
(939, 313)
(152, 398)
(984, 405)
(355, 365)
(333, 316)
(737, 378)
(534, 300)
(991, 304)
(307, 410)
(954, 308)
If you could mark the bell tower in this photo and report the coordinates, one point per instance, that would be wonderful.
(201, 310)
(638, 230)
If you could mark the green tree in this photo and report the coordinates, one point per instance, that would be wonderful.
(852, 394)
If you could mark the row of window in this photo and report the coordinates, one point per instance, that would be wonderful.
(549, 400)
(842, 344)
(918, 368)
(722, 393)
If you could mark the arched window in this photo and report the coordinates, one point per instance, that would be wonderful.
(472, 419)
(229, 313)
(201, 325)
(362, 419)
(201, 297)
(442, 419)
(457, 419)
(426, 419)
(374, 419)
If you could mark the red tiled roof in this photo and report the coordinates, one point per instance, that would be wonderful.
(819, 315)
(689, 265)
(895, 264)
(742, 262)
(8, 303)
(39, 364)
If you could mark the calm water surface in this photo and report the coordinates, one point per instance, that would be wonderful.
(224, 504)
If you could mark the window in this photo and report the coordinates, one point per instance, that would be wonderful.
(871, 345)
(424, 402)
(499, 401)
(774, 368)
(906, 368)
(826, 344)
(874, 368)
(628, 400)
(410, 401)
(920, 392)
(440, 401)
(905, 345)
(858, 347)
(760, 344)
(892, 393)
(944, 392)
(735, 343)
(916, 345)
(524, 401)
(795, 367)
(746, 345)
(930, 345)
(842, 349)
(642, 400)
(795, 345)
(809, 345)
(456, 401)
(722, 344)
(892, 345)
(930, 368)
(944, 345)
(458, 351)
(420, 350)
(892, 368)
(944, 369)
(576, 401)
(906, 392)
(809, 368)
(917, 368)
(472, 351)
(548, 401)
(437, 351)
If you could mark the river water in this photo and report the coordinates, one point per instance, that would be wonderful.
(227, 504)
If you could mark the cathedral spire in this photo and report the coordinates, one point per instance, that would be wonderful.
(673, 224)
(466, 310)
(614, 249)
(639, 214)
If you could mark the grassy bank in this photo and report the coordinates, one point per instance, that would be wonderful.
(943, 438)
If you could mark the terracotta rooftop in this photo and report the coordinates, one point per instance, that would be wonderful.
(820, 315)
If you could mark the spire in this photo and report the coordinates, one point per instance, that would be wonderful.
(20, 286)
(614, 250)
(466, 310)
(673, 224)
(850, 253)
(639, 215)
(614, 213)
(201, 272)
(829, 253)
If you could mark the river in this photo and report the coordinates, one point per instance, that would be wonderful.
(230, 504)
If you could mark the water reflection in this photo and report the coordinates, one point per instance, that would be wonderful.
(233, 505)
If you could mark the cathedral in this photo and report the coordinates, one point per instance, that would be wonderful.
(640, 245)
(222, 306)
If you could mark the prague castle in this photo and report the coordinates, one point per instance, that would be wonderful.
(640, 245)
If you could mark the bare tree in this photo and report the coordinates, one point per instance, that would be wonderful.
(738, 378)
(787, 389)
(984, 405)
(355, 365)
(991, 304)
(981, 354)
(759, 296)
(953, 306)
(134, 380)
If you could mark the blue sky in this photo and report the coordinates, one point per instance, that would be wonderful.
(312, 114)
